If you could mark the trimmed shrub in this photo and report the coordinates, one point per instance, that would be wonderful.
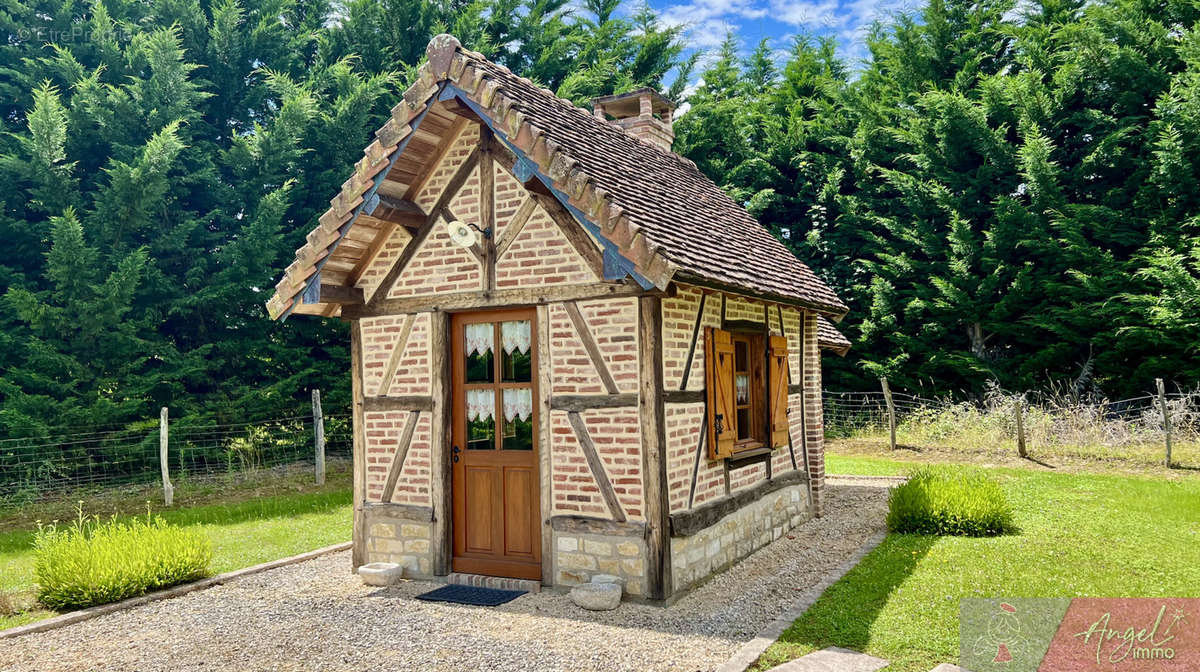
(94, 562)
(942, 500)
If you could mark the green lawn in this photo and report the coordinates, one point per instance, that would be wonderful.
(246, 527)
(1081, 535)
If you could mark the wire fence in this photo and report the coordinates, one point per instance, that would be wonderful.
(1145, 428)
(66, 460)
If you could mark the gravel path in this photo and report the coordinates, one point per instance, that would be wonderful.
(316, 615)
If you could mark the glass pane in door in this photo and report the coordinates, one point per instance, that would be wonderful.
(481, 422)
(516, 360)
(518, 419)
(479, 349)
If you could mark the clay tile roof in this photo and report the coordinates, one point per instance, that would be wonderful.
(829, 338)
(691, 220)
(662, 214)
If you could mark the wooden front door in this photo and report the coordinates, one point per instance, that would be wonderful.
(494, 450)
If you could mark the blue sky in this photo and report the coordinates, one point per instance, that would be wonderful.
(779, 21)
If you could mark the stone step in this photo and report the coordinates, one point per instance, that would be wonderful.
(947, 667)
(833, 659)
(499, 582)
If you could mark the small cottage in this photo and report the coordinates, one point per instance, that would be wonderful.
(571, 352)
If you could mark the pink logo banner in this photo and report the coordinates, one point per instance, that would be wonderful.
(1080, 635)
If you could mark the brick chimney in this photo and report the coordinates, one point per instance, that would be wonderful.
(644, 113)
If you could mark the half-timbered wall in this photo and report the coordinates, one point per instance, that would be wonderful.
(591, 442)
(695, 481)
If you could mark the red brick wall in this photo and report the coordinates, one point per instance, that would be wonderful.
(684, 421)
(440, 266)
(540, 255)
(615, 432)
(383, 430)
(380, 337)
(617, 438)
(613, 325)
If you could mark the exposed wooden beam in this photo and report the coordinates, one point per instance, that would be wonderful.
(452, 188)
(341, 294)
(589, 525)
(389, 371)
(597, 466)
(652, 418)
(398, 206)
(434, 161)
(409, 403)
(524, 296)
(687, 365)
(515, 225)
(699, 454)
(389, 487)
(487, 207)
(586, 402)
(687, 523)
(373, 251)
(589, 344)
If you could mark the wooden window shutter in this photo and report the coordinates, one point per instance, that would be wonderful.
(777, 390)
(718, 385)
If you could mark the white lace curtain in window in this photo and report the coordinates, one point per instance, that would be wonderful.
(481, 404)
(515, 336)
(479, 338)
(518, 403)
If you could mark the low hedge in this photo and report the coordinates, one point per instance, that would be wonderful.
(949, 501)
(94, 562)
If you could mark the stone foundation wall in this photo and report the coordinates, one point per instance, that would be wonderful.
(394, 538)
(578, 557)
(737, 535)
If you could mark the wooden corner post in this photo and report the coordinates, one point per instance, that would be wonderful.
(439, 442)
(358, 553)
(652, 416)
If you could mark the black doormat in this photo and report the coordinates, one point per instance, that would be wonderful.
(476, 595)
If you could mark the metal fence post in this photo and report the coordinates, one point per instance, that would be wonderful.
(1166, 418)
(891, 410)
(168, 489)
(319, 435)
(1020, 406)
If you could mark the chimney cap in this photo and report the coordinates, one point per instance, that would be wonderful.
(628, 104)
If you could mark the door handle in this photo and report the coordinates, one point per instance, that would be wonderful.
(454, 450)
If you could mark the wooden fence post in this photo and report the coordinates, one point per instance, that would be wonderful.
(168, 489)
(319, 435)
(1020, 407)
(1166, 417)
(891, 410)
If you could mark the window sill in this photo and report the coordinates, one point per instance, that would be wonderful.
(749, 454)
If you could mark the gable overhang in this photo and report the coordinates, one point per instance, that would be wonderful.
(311, 294)
(616, 266)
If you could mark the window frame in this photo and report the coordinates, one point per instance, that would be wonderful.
(721, 395)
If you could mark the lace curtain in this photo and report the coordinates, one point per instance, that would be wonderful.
(479, 338)
(481, 404)
(742, 383)
(515, 336)
(518, 403)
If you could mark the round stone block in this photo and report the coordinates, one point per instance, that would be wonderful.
(597, 596)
